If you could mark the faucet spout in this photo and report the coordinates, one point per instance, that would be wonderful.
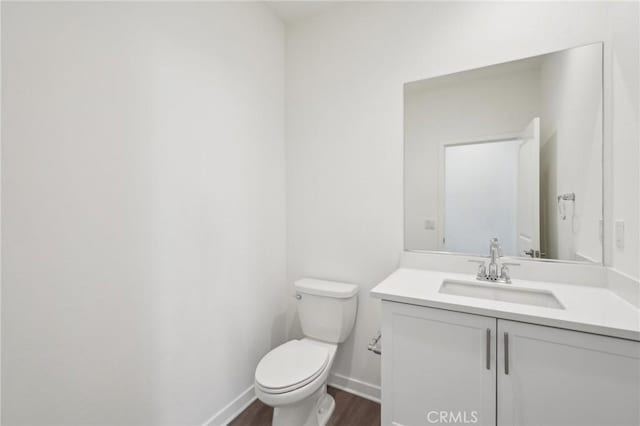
(493, 272)
(495, 251)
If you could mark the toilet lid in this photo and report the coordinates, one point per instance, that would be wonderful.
(291, 365)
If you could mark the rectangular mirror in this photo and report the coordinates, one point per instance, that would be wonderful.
(512, 151)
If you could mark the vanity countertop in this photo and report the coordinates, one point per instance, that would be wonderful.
(587, 308)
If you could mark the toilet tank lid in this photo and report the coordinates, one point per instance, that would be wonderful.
(326, 288)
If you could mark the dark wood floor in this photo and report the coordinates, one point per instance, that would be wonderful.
(351, 410)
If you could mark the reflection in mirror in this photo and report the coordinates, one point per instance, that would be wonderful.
(512, 151)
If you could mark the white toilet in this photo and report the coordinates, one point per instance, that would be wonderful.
(292, 378)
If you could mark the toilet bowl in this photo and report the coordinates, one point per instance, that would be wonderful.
(292, 378)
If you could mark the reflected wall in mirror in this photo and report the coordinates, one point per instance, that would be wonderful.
(512, 151)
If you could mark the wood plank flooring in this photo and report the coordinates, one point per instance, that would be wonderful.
(351, 410)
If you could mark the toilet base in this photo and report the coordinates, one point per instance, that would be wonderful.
(314, 410)
(325, 409)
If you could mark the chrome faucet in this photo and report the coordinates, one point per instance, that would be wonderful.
(495, 252)
(494, 272)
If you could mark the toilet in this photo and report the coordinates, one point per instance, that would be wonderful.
(292, 378)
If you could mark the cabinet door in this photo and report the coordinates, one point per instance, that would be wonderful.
(438, 367)
(548, 376)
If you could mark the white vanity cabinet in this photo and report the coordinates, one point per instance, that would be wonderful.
(434, 363)
(562, 377)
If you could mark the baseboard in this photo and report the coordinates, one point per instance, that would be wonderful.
(233, 409)
(242, 401)
(355, 386)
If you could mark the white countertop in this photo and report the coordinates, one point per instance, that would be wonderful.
(587, 308)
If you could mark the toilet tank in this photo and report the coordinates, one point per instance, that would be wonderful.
(327, 309)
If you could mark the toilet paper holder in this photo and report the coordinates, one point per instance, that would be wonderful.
(376, 345)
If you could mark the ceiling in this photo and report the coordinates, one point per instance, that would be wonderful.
(292, 11)
(520, 65)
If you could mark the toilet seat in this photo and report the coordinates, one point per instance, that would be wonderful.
(291, 366)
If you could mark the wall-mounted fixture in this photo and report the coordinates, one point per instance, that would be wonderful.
(562, 200)
(376, 345)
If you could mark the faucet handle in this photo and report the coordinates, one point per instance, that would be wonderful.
(504, 271)
(482, 268)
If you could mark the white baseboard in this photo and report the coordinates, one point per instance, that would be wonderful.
(242, 401)
(231, 410)
(355, 386)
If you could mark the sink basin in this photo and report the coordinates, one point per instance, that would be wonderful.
(502, 293)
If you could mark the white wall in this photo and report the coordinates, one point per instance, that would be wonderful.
(624, 131)
(345, 73)
(143, 246)
(454, 109)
